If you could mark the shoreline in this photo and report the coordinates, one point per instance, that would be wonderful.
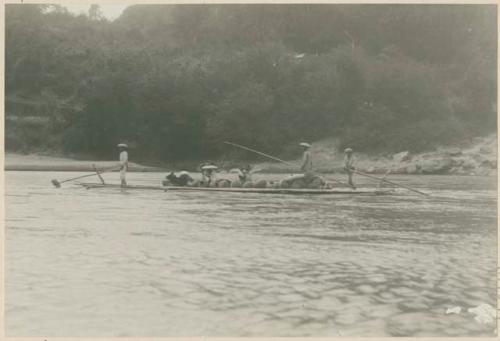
(42, 163)
(478, 159)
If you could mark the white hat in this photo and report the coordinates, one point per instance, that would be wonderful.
(122, 145)
(209, 167)
(348, 150)
(305, 144)
(183, 172)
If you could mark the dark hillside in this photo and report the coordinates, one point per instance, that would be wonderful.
(174, 81)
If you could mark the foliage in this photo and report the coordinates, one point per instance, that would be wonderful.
(174, 81)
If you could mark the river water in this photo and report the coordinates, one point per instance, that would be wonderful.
(107, 262)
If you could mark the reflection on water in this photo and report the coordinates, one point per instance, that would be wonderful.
(147, 263)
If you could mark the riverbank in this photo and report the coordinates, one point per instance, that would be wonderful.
(35, 162)
(478, 158)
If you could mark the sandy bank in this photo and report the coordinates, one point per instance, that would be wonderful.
(33, 162)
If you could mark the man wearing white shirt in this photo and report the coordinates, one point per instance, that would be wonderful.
(349, 165)
(122, 147)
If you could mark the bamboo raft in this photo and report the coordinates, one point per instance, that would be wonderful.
(296, 191)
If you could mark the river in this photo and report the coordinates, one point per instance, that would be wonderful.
(107, 262)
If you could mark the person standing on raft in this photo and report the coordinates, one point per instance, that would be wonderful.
(122, 147)
(349, 165)
(306, 166)
(301, 180)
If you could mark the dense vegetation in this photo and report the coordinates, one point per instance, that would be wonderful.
(176, 80)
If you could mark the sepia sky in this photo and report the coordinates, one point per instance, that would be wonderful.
(110, 10)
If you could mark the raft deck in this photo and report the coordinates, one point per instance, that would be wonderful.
(297, 191)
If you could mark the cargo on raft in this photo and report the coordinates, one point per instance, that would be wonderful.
(307, 181)
(365, 191)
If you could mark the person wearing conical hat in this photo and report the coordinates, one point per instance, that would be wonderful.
(208, 175)
(349, 165)
(306, 166)
(122, 147)
(301, 180)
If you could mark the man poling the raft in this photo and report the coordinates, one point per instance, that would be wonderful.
(349, 165)
(122, 147)
(57, 183)
(307, 179)
(123, 157)
(353, 170)
(306, 157)
(306, 164)
(350, 169)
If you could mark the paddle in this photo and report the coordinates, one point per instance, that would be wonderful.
(98, 174)
(260, 153)
(57, 184)
(390, 182)
(274, 158)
